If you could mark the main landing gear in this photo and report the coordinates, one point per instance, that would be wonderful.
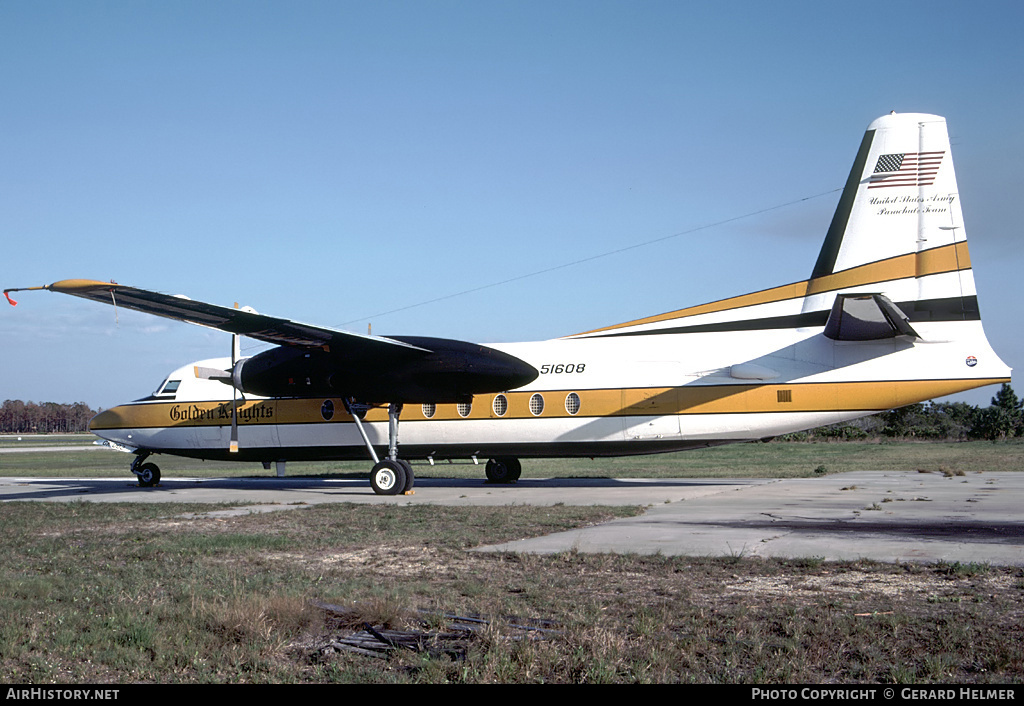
(503, 470)
(392, 475)
(148, 473)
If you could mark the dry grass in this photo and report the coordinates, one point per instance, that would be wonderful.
(121, 593)
(164, 593)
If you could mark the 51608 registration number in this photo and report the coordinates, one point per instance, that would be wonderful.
(559, 368)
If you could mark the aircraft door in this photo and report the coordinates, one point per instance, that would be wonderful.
(650, 413)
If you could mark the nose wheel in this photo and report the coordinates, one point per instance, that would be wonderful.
(147, 473)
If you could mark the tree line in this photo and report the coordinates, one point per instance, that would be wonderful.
(1003, 419)
(17, 417)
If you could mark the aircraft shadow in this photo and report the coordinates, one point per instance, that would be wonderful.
(58, 489)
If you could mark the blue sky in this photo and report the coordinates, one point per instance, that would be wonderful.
(344, 162)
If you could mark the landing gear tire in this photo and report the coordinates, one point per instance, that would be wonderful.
(388, 477)
(503, 470)
(410, 477)
(149, 475)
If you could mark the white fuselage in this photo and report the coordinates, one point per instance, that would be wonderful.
(594, 396)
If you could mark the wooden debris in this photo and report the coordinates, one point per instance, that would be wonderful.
(453, 640)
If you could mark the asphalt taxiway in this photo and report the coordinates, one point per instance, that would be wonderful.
(885, 516)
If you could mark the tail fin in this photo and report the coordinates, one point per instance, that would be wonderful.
(894, 262)
(899, 227)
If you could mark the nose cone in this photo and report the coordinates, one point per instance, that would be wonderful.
(111, 424)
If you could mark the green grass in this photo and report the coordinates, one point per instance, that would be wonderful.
(776, 459)
(12, 441)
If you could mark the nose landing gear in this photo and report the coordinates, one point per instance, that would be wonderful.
(147, 473)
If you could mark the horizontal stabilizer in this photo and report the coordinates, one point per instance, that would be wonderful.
(866, 317)
(752, 371)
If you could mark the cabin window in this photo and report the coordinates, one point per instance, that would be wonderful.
(572, 403)
(536, 404)
(429, 408)
(500, 405)
(464, 408)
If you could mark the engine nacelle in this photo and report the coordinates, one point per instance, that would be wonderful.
(284, 371)
(447, 371)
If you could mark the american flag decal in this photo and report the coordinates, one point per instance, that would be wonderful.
(908, 169)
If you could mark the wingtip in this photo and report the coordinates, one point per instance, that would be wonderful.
(7, 292)
(64, 286)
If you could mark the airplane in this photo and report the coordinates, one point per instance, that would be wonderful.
(888, 317)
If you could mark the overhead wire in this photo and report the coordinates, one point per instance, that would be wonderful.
(591, 258)
(580, 261)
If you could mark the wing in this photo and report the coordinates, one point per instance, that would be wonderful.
(315, 360)
(270, 329)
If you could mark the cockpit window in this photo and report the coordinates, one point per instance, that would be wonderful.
(169, 387)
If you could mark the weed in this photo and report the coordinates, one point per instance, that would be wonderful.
(808, 562)
(961, 570)
(736, 555)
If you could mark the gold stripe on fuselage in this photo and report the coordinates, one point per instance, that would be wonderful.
(659, 401)
(947, 258)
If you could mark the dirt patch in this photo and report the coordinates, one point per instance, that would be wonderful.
(859, 582)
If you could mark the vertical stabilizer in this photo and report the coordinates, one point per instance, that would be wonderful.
(899, 218)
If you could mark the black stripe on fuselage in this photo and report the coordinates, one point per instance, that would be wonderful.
(948, 309)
